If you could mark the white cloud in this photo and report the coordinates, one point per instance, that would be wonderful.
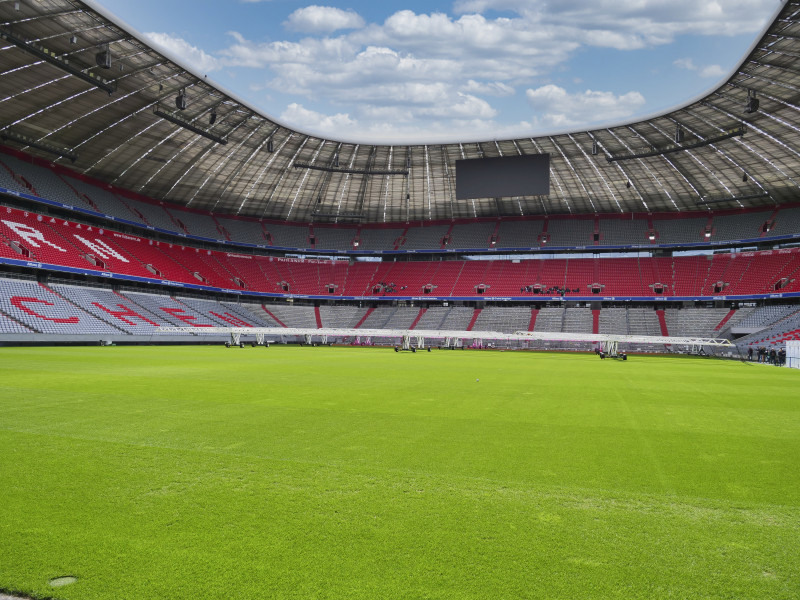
(707, 71)
(304, 118)
(685, 63)
(556, 107)
(387, 125)
(427, 73)
(633, 23)
(712, 72)
(323, 19)
(191, 55)
(488, 88)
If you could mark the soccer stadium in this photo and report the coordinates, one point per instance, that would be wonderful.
(241, 360)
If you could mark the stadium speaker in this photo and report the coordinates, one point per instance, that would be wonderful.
(103, 59)
(212, 118)
(270, 146)
(180, 100)
(752, 104)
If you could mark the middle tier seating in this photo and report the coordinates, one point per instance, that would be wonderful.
(32, 238)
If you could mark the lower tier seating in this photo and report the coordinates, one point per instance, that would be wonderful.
(29, 307)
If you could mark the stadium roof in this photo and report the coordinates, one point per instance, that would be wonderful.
(84, 90)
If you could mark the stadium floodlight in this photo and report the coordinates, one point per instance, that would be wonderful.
(752, 102)
(679, 135)
(103, 59)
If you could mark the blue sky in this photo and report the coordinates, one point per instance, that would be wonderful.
(438, 71)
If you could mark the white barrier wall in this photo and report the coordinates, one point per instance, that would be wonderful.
(793, 354)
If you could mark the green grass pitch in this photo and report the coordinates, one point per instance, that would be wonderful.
(296, 472)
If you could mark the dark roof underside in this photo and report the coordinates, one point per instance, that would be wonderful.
(119, 139)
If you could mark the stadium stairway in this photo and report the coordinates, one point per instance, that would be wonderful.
(662, 321)
(365, 317)
(476, 313)
(273, 317)
(422, 311)
(725, 319)
(532, 323)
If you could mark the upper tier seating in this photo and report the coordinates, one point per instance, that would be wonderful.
(43, 182)
(244, 231)
(743, 226)
(623, 232)
(520, 234)
(197, 224)
(427, 237)
(102, 200)
(570, 232)
(471, 235)
(34, 177)
(680, 231)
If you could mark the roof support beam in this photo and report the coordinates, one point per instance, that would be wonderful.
(736, 132)
(186, 125)
(62, 63)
